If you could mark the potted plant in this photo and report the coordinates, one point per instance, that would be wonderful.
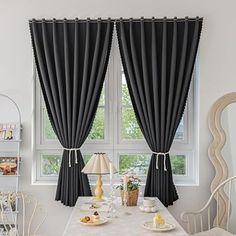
(133, 185)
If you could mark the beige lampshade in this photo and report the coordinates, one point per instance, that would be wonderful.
(99, 163)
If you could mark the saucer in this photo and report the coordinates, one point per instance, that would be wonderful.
(152, 209)
(167, 227)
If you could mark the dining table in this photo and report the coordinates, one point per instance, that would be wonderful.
(126, 221)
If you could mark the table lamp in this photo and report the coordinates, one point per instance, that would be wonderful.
(99, 165)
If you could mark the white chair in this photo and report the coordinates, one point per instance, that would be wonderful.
(199, 221)
(21, 214)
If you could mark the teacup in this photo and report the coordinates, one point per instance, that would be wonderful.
(149, 202)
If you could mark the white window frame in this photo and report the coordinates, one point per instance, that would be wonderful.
(112, 143)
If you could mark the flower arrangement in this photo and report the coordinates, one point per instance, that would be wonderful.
(132, 193)
(132, 184)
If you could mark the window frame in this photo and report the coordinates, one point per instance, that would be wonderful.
(112, 143)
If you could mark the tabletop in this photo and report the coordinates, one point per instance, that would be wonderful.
(124, 225)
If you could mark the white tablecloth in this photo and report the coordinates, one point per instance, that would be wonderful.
(123, 225)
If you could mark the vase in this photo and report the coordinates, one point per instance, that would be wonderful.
(132, 197)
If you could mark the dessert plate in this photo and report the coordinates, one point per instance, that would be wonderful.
(167, 227)
(101, 221)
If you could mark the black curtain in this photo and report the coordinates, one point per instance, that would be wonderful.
(158, 57)
(71, 58)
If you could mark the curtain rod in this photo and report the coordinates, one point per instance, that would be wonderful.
(115, 20)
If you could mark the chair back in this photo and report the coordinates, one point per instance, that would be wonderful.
(198, 221)
(21, 214)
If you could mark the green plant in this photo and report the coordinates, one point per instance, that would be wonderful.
(133, 184)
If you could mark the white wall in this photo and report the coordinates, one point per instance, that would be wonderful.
(217, 73)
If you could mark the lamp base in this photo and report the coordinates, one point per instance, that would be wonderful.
(98, 189)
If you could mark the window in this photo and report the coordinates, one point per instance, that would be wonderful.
(115, 131)
(129, 126)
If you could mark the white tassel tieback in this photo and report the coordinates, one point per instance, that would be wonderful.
(76, 157)
(157, 157)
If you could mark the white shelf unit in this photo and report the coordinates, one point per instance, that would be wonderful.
(11, 148)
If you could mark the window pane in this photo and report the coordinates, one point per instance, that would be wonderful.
(98, 130)
(179, 135)
(50, 164)
(178, 164)
(126, 101)
(86, 158)
(129, 123)
(130, 127)
(136, 164)
(48, 133)
(102, 98)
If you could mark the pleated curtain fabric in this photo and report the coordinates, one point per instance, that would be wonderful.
(158, 57)
(71, 58)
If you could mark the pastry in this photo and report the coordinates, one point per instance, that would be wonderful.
(91, 219)
(85, 219)
(158, 221)
(95, 217)
(94, 206)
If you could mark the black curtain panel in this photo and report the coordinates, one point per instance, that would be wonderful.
(158, 57)
(71, 58)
